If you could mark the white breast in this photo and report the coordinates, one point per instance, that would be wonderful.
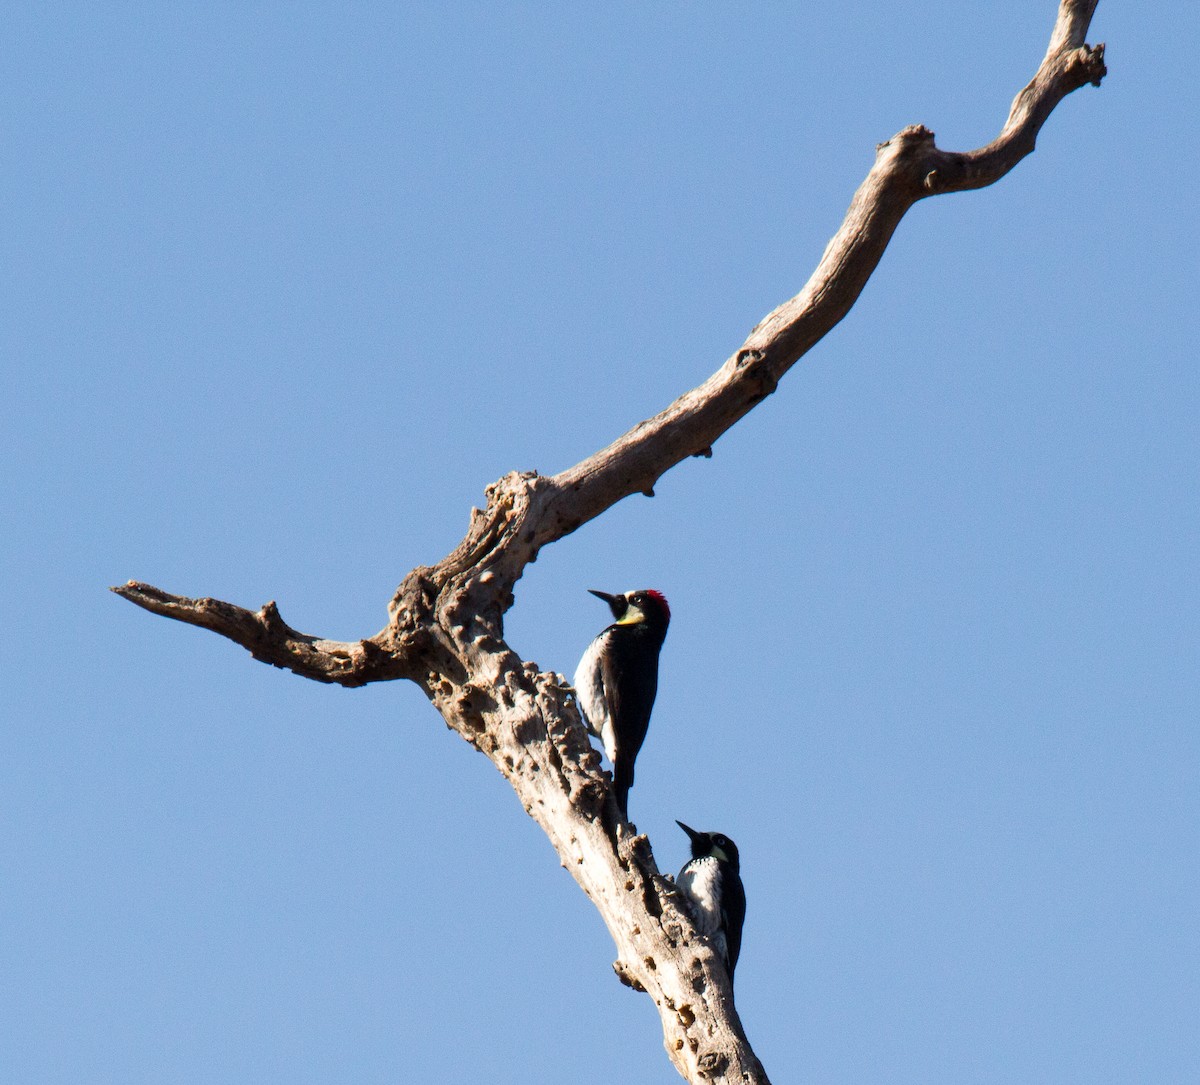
(589, 689)
(701, 882)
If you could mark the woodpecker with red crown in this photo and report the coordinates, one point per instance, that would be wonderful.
(712, 883)
(617, 678)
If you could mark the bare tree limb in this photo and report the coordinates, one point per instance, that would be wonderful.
(267, 637)
(445, 627)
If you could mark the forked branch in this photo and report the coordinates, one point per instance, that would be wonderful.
(445, 627)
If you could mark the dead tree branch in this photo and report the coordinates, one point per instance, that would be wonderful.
(445, 629)
(266, 636)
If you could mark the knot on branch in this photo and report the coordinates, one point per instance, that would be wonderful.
(1087, 63)
(754, 368)
(914, 139)
(627, 977)
(472, 703)
(413, 601)
(911, 162)
(272, 620)
(712, 1064)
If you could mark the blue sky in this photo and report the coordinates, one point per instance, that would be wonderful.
(286, 286)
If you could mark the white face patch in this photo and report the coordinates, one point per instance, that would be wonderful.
(632, 614)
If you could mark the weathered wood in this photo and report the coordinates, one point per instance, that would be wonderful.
(445, 629)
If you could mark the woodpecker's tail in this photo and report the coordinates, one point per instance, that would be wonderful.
(622, 782)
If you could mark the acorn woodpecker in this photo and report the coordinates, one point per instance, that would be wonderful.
(712, 882)
(617, 678)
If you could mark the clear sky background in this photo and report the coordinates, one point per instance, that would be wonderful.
(287, 285)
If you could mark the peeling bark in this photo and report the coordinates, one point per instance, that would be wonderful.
(445, 627)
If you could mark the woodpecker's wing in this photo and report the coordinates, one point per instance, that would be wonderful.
(630, 683)
(733, 915)
(613, 701)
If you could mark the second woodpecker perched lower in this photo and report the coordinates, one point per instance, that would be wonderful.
(712, 882)
(617, 679)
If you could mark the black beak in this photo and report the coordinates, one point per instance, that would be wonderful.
(693, 836)
(616, 603)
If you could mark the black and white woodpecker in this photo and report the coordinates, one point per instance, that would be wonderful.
(617, 678)
(712, 882)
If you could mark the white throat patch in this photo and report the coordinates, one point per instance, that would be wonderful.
(631, 616)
